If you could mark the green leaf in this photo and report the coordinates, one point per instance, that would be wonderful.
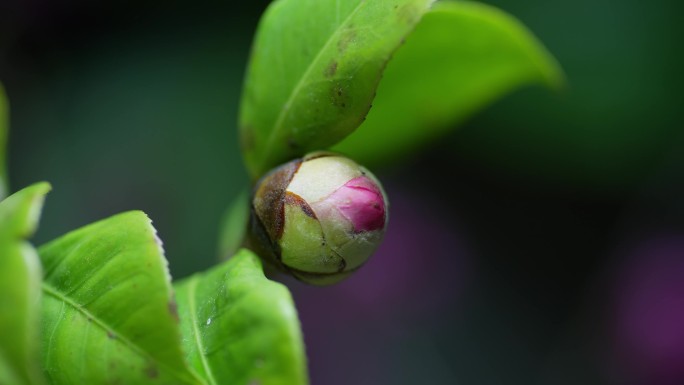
(240, 328)
(314, 69)
(461, 57)
(108, 310)
(20, 275)
(4, 123)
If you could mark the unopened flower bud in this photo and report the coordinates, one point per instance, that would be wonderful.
(319, 217)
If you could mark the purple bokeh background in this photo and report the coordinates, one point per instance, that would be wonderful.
(647, 326)
(420, 270)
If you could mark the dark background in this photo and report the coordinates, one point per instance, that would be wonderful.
(554, 255)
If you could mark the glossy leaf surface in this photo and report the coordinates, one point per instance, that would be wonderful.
(240, 328)
(108, 312)
(461, 57)
(313, 73)
(20, 275)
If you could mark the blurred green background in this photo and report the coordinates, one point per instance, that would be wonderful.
(132, 105)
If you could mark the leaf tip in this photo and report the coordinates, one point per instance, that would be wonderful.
(552, 73)
(41, 188)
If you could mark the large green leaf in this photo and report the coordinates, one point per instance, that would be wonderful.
(108, 310)
(461, 57)
(314, 69)
(240, 328)
(4, 123)
(20, 275)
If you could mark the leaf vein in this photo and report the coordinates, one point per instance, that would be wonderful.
(48, 289)
(192, 288)
(48, 348)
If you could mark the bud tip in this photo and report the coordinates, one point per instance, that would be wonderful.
(362, 203)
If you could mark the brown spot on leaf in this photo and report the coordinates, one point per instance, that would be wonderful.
(331, 69)
(348, 37)
(111, 335)
(173, 310)
(151, 371)
(338, 95)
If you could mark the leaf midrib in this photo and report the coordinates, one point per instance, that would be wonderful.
(192, 288)
(48, 289)
(284, 110)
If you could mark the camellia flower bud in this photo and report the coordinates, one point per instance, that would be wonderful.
(319, 217)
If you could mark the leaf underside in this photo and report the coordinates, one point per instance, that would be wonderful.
(108, 312)
(461, 57)
(239, 327)
(313, 73)
(20, 276)
(233, 227)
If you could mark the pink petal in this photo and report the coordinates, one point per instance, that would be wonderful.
(362, 203)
